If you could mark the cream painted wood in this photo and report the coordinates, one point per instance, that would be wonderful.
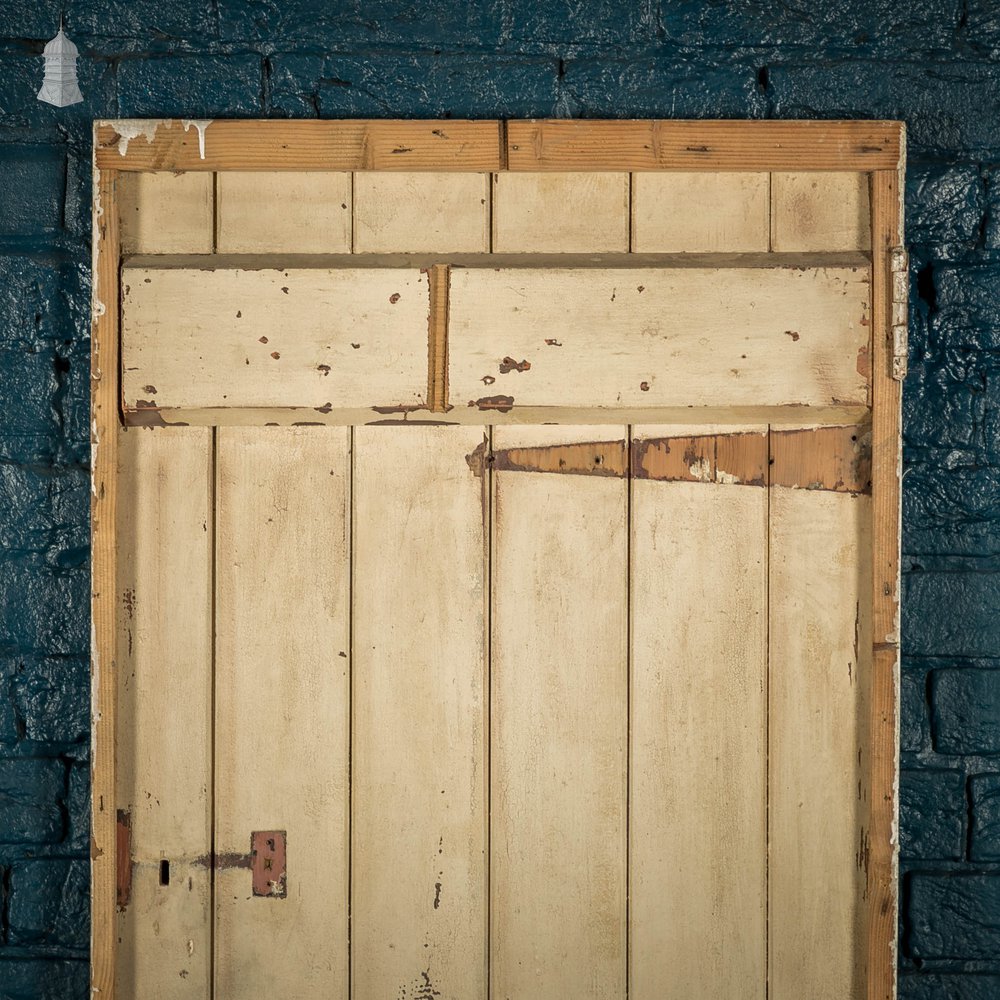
(560, 212)
(283, 212)
(698, 761)
(820, 211)
(703, 212)
(419, 879)
(415, 212)
(165, 212)
(820, 664)
(680, 336)
(558, 727)
(165, 674)
(282, 706)
(311, 338)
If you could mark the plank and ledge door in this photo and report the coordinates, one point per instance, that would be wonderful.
(512, 711)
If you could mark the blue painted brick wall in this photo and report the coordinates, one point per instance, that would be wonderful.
(933, 63)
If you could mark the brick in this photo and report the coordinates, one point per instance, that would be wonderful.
(914, 725)
(304, 23)
(34, 185)
(985, 834)
(640, 88)
(48, 903)
(950, 107)
(951, 511)
(400, 85)
(604, 23)
(949, 987)
(78, 807)
(30, 795)
(143, 20)
(944, 404)
(968, 306)
(954, 916)
(992, 228)
(944, 207)
(43, 610)
(52, 699)
(35, 979)
(190, 86)
(45, 510)
(966, 710)
(951, 613)
(931, 812)
(42, 298)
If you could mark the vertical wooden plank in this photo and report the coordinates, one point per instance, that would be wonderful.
(820, 666)
(697, 804)
(282, 707)
(560, 213)
(820, 211)
(680, 212)
(103, 587)
(166, 212)
(883, 741)
(284, 212)
(418, 910)
(164, 775)
(559, 722)
(421, 212)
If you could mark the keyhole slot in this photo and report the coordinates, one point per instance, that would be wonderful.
(164, 872)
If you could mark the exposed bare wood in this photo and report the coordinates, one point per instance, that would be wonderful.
(558, 772)
(562, 213)
(415, 213)
(282, 706)
(820, 670)
(697, 831)
(356, 144)
(437, 339)
(165, 213)
(658, 337)
(164, 777)
(703, 145)
(286, 212)
(314, 339)
(820, 211)
(731, 457)
(419, 878)
(883, 736)
(675, 211)
(104, 591)
(826, 458)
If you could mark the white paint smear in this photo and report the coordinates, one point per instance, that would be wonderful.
(200, 124)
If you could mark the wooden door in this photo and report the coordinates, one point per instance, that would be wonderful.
(504, 586)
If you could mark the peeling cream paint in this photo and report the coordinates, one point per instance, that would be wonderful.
(701, 470)
(726, 477)
(131, 128)
(200, 124)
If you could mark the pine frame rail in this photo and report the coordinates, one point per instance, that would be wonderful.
(875, 148)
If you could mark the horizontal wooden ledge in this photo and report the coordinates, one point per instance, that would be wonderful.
(450, 144)
(736, 416)
(496, 261)
(705, 145)
(355, 144)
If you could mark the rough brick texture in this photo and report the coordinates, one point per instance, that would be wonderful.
(933, 63)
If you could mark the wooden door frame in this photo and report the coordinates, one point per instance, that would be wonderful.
(876, 148)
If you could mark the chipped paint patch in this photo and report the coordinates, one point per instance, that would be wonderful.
(132, 128)
(268, 863)
(123, 855)
(502, 404)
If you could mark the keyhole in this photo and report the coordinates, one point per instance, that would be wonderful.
(164, 872)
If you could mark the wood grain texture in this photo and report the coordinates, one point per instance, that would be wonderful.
(315, 339)
(703, 212)
(103, 585)
(282, 212)
(560, 212)
(164, 780)
(419, 878)
(282, 706)
(439, 279)
(820, 211)
(883, 741)
(820, 669)
(355, 144)
(166, 213)
(421, 212)
(697, 803)
(559, 728)
(703, 145)
(658, 337)
(823, 458)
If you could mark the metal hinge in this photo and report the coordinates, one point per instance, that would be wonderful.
(900, 263)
